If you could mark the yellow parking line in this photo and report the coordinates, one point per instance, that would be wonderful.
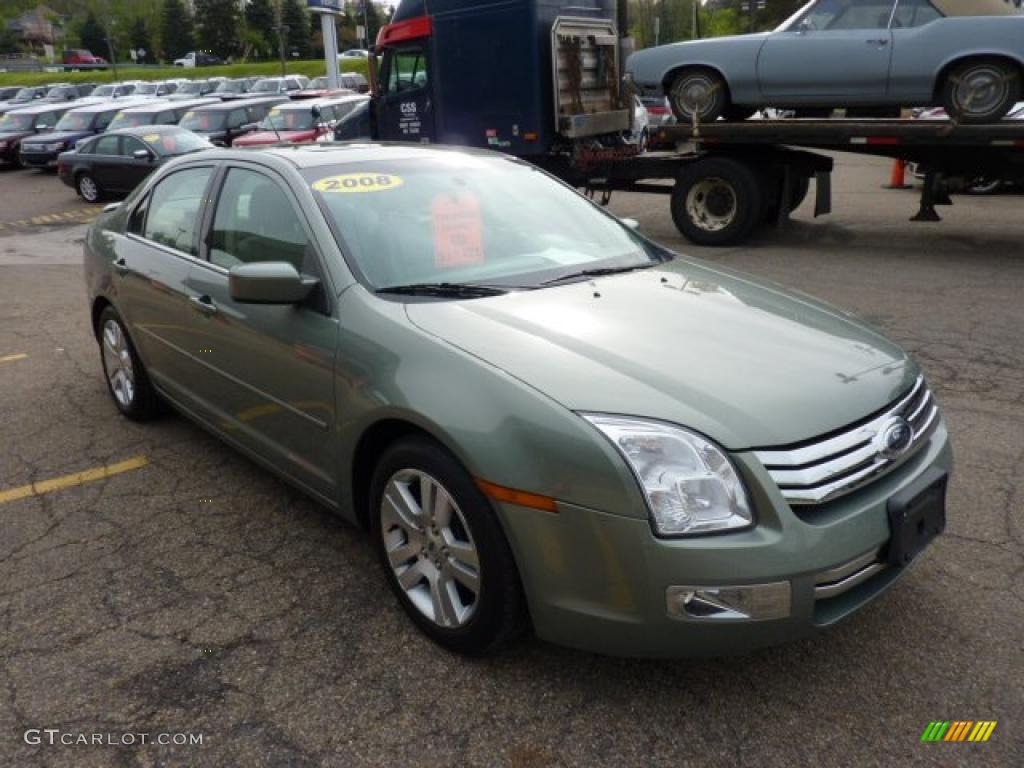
(12, 358)
(69, 481)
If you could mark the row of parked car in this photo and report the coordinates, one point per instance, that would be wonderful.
(105, 145)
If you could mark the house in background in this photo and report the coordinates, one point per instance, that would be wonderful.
(38, 31)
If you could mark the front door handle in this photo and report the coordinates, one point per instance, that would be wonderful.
(204, 304)
(120, 266)
(879, 42)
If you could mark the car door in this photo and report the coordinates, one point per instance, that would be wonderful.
(838, 52)
(916, 56)
(106, 161)
(406, 110)
(153, 261)
(269, 378)
(134, 170)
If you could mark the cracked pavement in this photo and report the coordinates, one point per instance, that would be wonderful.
(200, 595)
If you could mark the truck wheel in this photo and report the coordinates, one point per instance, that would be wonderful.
(716, 201)
(981, 91)
(699, 92)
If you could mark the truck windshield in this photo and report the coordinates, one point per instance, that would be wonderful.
(456, 219)
(75, 122)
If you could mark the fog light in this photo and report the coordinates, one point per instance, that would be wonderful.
(752, 602)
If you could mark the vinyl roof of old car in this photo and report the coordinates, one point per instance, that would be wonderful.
(979, 7)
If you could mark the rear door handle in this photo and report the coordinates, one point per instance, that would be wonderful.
(204, 304)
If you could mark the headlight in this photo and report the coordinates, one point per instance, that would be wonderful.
(55, 147)
(690, 484)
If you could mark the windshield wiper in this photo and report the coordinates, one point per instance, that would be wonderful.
(596, 272)
(447, 290)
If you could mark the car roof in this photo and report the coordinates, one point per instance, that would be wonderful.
(110, 106)
(37, 109)
(225, 106)
(145, 130)
(166, 106)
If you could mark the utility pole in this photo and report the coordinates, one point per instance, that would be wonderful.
(108, 24)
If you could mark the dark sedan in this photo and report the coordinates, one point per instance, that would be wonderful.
(42, 150)
(115, 162)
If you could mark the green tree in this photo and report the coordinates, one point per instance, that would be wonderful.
(218, 26)
(293, 16)
(260, 37)
(91, 35)
(176, 36)
(139, 37)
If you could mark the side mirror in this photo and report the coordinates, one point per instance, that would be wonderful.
(315, 111)
(268, 282)
(142, 154)
(630, 223)
(111, 207)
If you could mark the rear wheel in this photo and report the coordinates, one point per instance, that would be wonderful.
(126, 377)
(443, 549)
(88, 189)
(982, 90)
(698, 92)
(716, 201)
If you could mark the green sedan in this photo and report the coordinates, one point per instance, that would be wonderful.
(543, 419)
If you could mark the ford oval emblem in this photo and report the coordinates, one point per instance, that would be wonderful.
(894, 437)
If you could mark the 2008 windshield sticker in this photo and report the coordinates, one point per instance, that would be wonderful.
(349, 183)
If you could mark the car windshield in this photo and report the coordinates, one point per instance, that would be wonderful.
(318, 83)
(288, 120)
(105, 90)
(131, 120)
(25, 94)
(16, 122)
(191, 88)
(61, 93)
(467, 219)
(267, 86)
(168, 143)
(146, 89)
(75, 122)
(203, 121)
(231, 86)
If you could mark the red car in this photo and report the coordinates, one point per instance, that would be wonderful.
(82, 57)
(319, 89)
(293, 123)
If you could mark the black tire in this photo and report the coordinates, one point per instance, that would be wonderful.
(143, 404)
(499, 612)
(981, 90)
(87, 188)
(716, 201)
(700, 91)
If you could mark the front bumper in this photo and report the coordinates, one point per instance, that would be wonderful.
(603, 582)
(42, 159)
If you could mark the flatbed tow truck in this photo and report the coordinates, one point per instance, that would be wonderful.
(541, 80)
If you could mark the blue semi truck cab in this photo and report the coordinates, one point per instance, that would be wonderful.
(526, 77)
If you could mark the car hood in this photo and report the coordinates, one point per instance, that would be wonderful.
(50, 138)
(15, 135)
(269, 137)
(745, 363)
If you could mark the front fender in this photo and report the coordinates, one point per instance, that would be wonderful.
(735, 58)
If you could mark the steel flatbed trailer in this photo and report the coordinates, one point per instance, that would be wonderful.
(732, 177)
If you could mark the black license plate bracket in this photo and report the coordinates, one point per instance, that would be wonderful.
(917, 514)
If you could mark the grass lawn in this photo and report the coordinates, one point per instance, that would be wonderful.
(261, 69)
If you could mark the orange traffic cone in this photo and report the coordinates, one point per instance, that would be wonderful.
(898, 177)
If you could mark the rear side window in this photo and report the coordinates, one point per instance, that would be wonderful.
(167, 118)
(105, 145)
(237, 118)
(176, 208)
(914, 13)
(103, 120)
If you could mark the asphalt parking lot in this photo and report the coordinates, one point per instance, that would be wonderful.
(174, 587)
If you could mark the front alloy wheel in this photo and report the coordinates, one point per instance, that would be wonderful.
(430, 549)
(443, 549)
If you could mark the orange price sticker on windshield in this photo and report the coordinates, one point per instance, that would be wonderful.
(458, 231)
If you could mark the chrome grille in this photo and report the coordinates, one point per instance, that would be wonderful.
(824, 470)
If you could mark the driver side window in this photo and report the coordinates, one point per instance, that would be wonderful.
(836, 15)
